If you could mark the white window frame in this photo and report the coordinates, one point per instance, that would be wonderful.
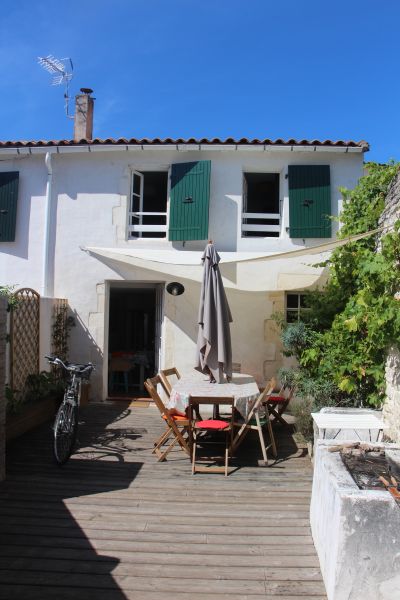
(296, 311)
(136, 230)
(245, 227)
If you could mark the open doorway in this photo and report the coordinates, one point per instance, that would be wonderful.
(134, 339)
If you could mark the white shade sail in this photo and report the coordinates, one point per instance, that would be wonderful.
(247, 271)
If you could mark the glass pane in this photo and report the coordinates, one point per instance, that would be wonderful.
(135, 203)
(155, 188)
(136, 184)
(154, 234)
(154, 220)
(303, 303)
(292, 300)
(291, 316)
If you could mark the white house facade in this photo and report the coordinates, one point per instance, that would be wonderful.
(108, 224)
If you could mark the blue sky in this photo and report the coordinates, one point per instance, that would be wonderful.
(183, 68)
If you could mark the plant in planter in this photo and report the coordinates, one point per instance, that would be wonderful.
(14, 400)
(312, 395)
(38, 387)
(42, 386)
(38, 404)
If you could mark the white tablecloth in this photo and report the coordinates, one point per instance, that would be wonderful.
(242, 387)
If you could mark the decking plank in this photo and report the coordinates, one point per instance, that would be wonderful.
(220, 572)
(68, 593)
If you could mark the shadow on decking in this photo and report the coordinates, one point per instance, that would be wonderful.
(249, 452)
(44, 552)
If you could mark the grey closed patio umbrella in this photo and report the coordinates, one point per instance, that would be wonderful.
(214, 348)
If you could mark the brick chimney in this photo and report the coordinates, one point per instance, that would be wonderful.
(83, 120)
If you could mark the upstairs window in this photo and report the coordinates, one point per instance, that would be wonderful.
(261, 217)
(148, 207)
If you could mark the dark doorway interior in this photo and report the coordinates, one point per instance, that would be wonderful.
(131, 340)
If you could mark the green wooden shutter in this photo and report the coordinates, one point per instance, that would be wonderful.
(309, 201)
(8, 205)
(189, 201)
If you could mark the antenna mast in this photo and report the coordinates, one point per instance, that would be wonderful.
(62, 71)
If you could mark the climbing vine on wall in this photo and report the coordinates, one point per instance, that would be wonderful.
(62, 323)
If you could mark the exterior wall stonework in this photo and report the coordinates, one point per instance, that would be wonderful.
(391, 408)
(391, 211)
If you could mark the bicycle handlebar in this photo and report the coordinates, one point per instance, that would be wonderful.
(79, 369)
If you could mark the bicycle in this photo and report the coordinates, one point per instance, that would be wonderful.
(66, 421)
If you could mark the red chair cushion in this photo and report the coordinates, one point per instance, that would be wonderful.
(211, 424)
(276, 399)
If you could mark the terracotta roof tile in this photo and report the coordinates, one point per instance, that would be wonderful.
(171, 141)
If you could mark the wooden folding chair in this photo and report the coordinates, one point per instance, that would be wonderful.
(236, 368)
(210, 426)
(167, 387)
(277, 403)
(177, 425)
(164, 374)
(257, 421)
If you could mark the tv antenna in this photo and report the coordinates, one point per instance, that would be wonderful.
(62, 71)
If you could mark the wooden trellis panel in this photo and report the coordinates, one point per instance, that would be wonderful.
(25, 323)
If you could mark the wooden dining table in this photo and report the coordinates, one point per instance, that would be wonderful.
(243, 388)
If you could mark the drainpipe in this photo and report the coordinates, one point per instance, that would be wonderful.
(47, 266)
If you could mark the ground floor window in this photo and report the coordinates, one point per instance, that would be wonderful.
(295, 306)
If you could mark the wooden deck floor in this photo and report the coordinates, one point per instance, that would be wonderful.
(113, 524)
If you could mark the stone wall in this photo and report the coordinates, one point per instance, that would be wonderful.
(3, 327)
(391, 212)
(391, 409)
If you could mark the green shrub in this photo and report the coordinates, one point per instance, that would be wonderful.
(312, 394)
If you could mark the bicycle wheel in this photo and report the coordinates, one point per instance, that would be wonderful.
(65, 428)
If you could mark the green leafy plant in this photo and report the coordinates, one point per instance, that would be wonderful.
(42, 386)
(7, 291)
(38, 387)
(312, 394)
(14, 400)
(296, 337)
